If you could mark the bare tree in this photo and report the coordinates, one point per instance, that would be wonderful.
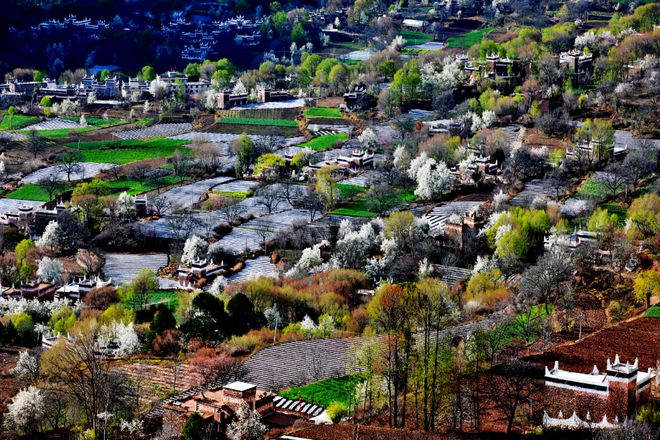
(69, 163)
(51, 185)
(558, 179)
(36, 143)
(614, 178)
(139, 172)
(639, 162)
(291, 192)
(549, 279)
(160, 205)
(312, 203)
(512, 387)
(231, 209)
(270, 198)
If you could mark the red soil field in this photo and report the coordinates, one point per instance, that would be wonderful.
(635, 338)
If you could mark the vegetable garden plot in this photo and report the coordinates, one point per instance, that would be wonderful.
(260, 266)
(88, 169)
(187, 195)
(8, 205)
(158, 130)
(55, 124)
(122, 268)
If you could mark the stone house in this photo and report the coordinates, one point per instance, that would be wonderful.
(598, 397)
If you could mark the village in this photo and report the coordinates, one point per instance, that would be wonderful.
(356, 220)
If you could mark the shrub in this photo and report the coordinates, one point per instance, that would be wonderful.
(336, 411)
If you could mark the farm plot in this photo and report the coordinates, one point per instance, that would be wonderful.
(325, 142)
(415, 38)
(323, 129)
(236, 186)
(291, 103)
(87, 169)
(122, 268)
(440, 215)
(429, 45)
(35, 192)
(324, 112)
(55, 124)
(228, 138)
(358, 55)
(258, 267)
(158, 130)
(187, 195)
(12, 136)
(468, 40)
(251, 235)
(12, 205)
(254, 121)
(537, 188)
(325, 392)
(637, 338)
(364, 180)
(17, 122)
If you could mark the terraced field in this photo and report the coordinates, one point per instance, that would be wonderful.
(158, 130)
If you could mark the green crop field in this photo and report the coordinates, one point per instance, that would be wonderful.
(124, 155)
(134, 187)
(97, 122)
(356, 205)
(32, 191)
(233, 194)
(18, 122)
(653, 312)
(128, 143)
(325, 392)
(470, 39)
(413, 38)
(255, 121)
(324, 112)
(325, 142)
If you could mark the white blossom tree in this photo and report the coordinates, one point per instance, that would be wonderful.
(218, 286)
(125, 205)
(52, 235)
(194, 249)
(25, 413)
(273, 316)
(50, 270)
(353, 248)
(27, 365)
(368, 138)
(402, 158)
(83, 121)
(433, 178)
(248, 425)
(310, 258)
(123, 334)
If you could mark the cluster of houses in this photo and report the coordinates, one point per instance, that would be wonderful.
(219, 405)
(201, 40)
(71, 23)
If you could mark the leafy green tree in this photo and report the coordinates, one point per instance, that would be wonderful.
(104, 74)
(245, 151)
(22, 249)
(11, 111)
(148, 73)
(243, 317)
(601, 221)
(192, 71)
(46, 101)
(644, 217)
(38, 76)
(298, 34)
(195, 428)
(646, 285)
(269, 163)
(209, 320)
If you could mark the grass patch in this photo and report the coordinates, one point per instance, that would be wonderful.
(124, 156)
(325, 392)
(259, 121)
(325, 142)
(414, 38)
(653, 312)
(34, 192)
(19, 121)
(242, 195)
(324, 112)
(468, 40)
